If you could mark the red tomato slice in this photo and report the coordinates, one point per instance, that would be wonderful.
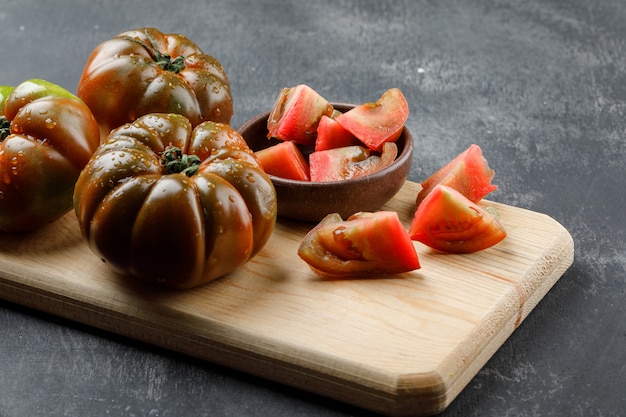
(379, 122)
(296, 114)
(449, 222)
(365, 244)
(468, 173)
(349, 162)
(331, 135)
(284, 160)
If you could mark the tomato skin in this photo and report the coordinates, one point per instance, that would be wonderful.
(365, 244)
(169, 228)
(377, 122)
(348, 162)
(123, 80)
(50, 135)
(296, 114)
(449, 222)
(468, 173)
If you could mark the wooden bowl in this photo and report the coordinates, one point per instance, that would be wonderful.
(311, 201)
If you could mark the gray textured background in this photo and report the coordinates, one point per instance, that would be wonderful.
(540, 85)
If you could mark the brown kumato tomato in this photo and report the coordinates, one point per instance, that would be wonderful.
(145, 71)
(175, 205)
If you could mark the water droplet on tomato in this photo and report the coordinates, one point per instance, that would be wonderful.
(49, 123)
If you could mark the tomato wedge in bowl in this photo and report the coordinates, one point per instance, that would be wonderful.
(312, 201)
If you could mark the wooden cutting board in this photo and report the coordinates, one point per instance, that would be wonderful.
(402, 346)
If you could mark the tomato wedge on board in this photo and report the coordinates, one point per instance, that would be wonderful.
(468, 173)
(349, 162)
(330, 135)
(365, 244)
(378, 122)
(449, 222)
(296, 114)
(284, 160)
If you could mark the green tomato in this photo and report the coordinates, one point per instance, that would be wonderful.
(47, 136)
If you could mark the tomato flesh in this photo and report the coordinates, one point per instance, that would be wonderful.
(330, 135)
(296, 114)
(284, 160)
(468, 173)
(349, 162)
(365, 244)
(448, 221)
(378, 122)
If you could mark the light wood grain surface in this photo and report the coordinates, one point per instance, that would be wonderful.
(400, 345)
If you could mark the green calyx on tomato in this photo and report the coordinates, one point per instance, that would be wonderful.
(163, 60)
(5, 128)
(176, 162)
(47, 135)
(159, 188)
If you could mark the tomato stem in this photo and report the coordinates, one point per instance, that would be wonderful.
(5, 128)
(161, 59)
(176, 162)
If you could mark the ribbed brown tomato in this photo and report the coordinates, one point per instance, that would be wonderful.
(172, 204)
(47, 135)
(145, 71)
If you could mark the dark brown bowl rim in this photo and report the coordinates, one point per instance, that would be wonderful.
(405, 153)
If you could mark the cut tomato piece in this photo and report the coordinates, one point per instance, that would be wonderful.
(331, 135)
(296, 114)
(379, 122)
(332, 164)
(449, 222)
(365, 244)
(349, 162)
(284, 160)
(468, 173)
